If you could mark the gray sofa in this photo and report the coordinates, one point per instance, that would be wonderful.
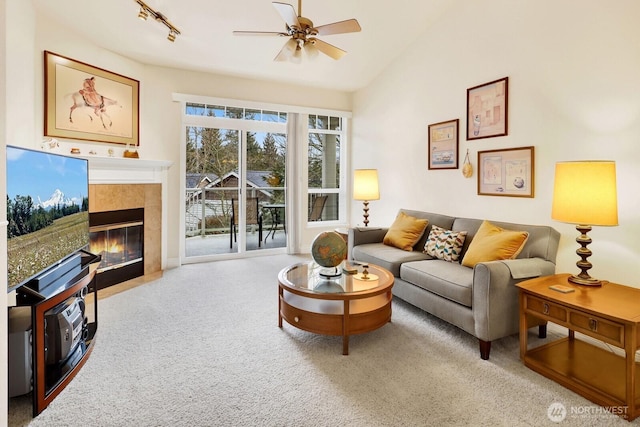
(483, 300)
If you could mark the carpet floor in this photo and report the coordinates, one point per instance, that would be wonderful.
(201, 347)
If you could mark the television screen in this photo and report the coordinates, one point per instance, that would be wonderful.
(47, 211)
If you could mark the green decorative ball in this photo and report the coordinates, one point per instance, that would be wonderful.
(329, 249)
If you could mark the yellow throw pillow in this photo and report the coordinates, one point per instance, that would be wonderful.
(493, 243)
(405, 231)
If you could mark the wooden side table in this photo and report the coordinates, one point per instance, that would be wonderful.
(609, 314)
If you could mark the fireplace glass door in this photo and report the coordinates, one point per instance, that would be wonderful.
(118, 237)
(118, 244)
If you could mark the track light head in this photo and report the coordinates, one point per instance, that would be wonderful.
(143, 14)
(172, 36)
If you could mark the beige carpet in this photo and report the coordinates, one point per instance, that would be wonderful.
(201, 347)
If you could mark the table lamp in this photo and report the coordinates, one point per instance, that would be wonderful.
(584, 193)
(365, 188)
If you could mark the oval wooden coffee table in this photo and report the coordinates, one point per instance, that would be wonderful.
(347, 305)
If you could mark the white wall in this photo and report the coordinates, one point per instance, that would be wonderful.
(574, 94)
(16, 124)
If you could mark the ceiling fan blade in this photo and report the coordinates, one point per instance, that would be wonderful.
(288, 13)
(259, 33)
(348, 26)
(287, 51)
(328, 49)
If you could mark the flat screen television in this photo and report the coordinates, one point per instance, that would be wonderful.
(47, 211)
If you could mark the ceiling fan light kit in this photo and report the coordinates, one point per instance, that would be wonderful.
(302, 34)
(146, 10)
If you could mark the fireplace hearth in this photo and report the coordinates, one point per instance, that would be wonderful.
(118, 236)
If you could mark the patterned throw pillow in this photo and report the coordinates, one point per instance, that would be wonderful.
(445, 244)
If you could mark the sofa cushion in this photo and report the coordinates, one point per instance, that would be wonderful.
(447, 279)
(443, 221)
(385, 256)
(445, 244)
(492, 243)
(405, 231)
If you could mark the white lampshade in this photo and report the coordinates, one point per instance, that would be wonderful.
(585, 193)
(365, 184)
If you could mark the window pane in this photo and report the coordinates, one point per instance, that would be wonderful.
(235, 113)
(323, 207)
(322, 122)
(335, 123)
(324, 161)
(196, 109)
(270, 116)
(283, 117)
(216, 110)
(312, 121)
(253, 114)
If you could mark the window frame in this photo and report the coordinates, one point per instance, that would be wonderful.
(342, 183)
(297, 128)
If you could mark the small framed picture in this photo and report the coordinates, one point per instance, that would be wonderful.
(506, 172)
(443, 145)
(487, 109)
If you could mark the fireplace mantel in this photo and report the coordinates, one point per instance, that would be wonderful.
(114, 170)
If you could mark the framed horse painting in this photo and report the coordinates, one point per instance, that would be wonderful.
(88, 103)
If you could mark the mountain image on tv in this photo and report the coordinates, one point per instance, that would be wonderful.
(47, 210)
(57, 199)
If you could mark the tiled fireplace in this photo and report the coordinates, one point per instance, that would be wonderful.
(121, 214)
(126, 219)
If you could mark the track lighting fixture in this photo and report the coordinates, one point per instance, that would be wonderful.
(145, 11)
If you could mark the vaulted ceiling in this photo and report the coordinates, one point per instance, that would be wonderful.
(207, 43)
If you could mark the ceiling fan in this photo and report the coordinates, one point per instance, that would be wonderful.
(303, 34)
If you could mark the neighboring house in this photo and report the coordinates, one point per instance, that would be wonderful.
(217, 203)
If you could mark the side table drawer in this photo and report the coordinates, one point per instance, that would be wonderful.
(326, 324)
(597, 327)
(547, 309)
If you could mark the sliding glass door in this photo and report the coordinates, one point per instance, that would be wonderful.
(235, 187)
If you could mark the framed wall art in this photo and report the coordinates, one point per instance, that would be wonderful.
(443, 145)
(506, 172)
(89, 103)
(487, 109)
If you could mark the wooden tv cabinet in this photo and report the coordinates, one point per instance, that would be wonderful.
(48, 382)
(610, 314)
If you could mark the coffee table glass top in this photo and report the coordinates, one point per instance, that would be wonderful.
(307, 276)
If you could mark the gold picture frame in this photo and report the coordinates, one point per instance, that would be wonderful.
(443, 145)
(88, 103)
(507, 172)
(488, 109)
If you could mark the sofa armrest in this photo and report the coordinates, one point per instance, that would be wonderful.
(363, 235)
(495, 296)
